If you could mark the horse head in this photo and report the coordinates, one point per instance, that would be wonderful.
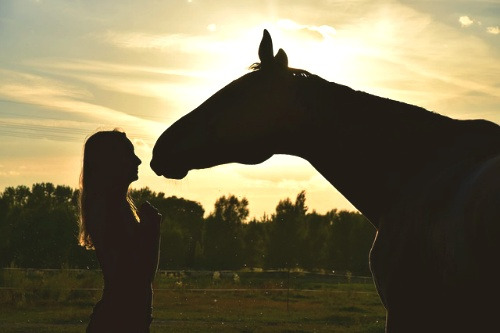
(243, 122)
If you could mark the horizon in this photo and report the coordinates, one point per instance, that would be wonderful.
(69, 69)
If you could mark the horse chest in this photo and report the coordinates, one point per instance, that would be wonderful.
(439, 247)
(394, 259)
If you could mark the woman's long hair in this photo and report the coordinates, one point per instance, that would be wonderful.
(101, 159)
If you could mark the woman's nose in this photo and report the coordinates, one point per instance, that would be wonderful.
(138, 160)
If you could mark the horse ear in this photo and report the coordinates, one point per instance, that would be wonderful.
(281, 59)
(266, 49)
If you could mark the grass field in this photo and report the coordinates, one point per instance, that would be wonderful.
(62, 300)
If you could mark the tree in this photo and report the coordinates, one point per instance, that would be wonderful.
(181, 229)
(224, 237)
(288, 233)
(181, 232)
(256, 238)
(38, 228)
(42, 226)
(315, 252)
(350, 242)
(361, 239)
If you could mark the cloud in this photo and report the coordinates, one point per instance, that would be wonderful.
(53, 129)
(140, 143)
(280, 169)
(493, 30)
(10, 173)
(325, 31)
(212, 27)
(103, 67)
(167, 42)
(465, 21)
(145, 88)
(33, 88)
(277, 175)
(75, 107)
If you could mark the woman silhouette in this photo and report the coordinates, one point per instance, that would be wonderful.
(126, 240)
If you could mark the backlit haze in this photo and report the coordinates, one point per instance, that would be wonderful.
(68, 68)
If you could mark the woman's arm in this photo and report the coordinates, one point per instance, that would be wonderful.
(150, 238)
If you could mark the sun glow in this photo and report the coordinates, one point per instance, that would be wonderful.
(319, 49)
(68, 71)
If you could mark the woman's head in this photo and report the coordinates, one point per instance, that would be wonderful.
(109, 167)
(109, 162)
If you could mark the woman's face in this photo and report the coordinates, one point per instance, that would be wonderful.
(129, 164)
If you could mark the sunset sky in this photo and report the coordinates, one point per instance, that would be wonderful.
(68, 68)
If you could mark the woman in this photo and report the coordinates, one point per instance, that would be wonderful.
(126, 240)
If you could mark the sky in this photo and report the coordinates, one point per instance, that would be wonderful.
(70, 68)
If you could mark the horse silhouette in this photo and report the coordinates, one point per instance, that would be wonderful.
(428, 183)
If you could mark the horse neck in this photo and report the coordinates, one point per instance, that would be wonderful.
(370, 148)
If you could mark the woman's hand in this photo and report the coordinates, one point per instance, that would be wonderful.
(149, 215)
(150, 221)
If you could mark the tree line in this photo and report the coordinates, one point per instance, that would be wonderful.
(38, 229)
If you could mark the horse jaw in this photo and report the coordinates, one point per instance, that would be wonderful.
(176, 165)
(173, 174)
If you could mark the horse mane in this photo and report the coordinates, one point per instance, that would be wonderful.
(256, 66)
(420, 114)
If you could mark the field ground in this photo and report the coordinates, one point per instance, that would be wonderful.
(62, 300)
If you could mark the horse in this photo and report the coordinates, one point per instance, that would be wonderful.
(428, 183)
